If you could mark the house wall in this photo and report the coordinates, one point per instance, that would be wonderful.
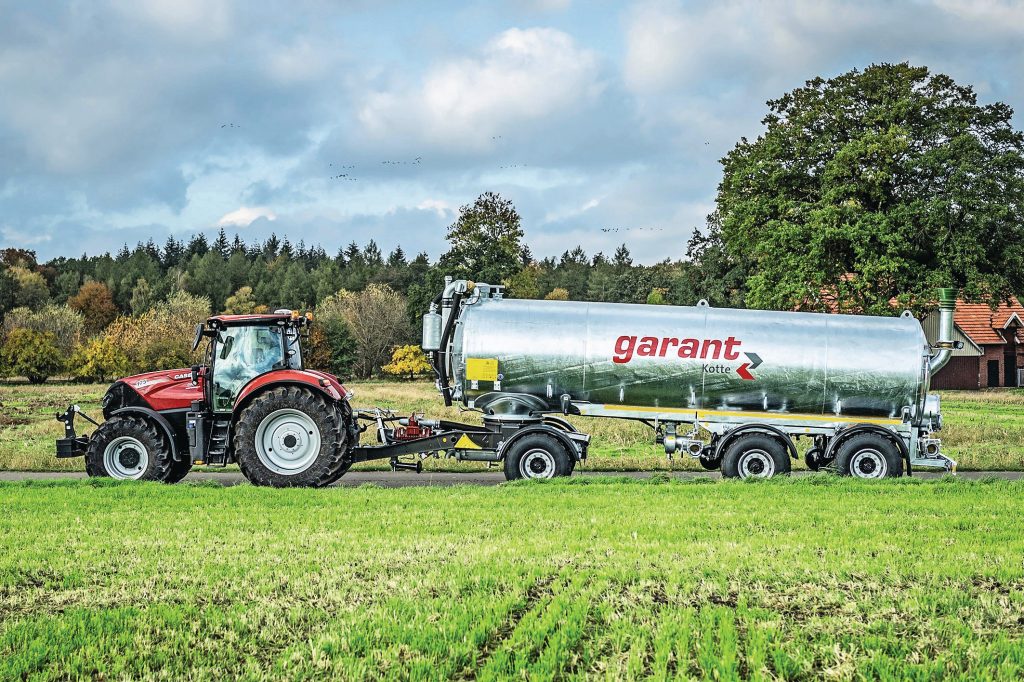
(993, 352)
(959, 373)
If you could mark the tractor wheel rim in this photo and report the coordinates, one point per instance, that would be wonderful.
(125, 458)
(537, 464)
(287, 441)
(756, 464)
(868, 463)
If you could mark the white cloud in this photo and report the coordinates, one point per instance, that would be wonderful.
(521, 76)
(245, 215)
(197, 19)
(439, 206)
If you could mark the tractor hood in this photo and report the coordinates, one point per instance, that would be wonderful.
(170, 389)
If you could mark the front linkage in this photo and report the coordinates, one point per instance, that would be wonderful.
(73, 445)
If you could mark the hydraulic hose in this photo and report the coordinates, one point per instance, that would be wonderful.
(442, 364)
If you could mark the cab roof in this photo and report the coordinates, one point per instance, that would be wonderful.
(264, 318)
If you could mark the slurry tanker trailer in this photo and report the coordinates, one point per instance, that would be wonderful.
(732, 388)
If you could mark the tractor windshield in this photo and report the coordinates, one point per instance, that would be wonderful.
(244, 353)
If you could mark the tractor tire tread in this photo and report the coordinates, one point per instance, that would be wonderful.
(333, 461)
(146, 432)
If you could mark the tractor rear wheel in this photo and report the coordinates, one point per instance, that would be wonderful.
(131, 448)
(291, 436)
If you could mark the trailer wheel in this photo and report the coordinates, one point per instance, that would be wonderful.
(130, 448)
(710, 463)
(290, 436)
(537, 456)
(813, 460)
(869, 455)
(755, 455)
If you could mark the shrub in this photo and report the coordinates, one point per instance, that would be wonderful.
(99, 359)
(557, 294)
(32, 354)
(241, 302)
(407, 361)
(64, 323)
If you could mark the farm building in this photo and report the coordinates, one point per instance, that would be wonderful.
(993, 352)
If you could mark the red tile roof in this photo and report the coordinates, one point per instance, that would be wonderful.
(984, 325)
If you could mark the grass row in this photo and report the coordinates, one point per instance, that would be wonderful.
(983, 430)
(577, 579)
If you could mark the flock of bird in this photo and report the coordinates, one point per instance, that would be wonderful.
(419, 159)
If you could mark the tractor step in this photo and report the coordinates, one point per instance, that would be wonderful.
(220, 435)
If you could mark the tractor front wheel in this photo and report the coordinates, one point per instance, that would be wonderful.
(131, 448)
(291, 436)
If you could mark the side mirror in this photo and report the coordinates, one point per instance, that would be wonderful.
(195, 375)
(198, 338)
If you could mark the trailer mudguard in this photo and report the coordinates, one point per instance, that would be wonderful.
(850, 431)
(545, 429)
(159, 419)
(728, 438)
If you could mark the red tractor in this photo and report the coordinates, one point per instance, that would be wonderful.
(251, 402)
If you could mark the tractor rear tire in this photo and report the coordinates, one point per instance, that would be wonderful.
(130, 448)
(291, 436)
(537, 456)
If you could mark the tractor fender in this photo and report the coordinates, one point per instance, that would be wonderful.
(289, 377)
(156, 417)
(728, 438)
(851, 431)
(546, 429)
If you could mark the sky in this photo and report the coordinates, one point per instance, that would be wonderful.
(328, 122)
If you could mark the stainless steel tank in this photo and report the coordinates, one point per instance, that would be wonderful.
(689, 357)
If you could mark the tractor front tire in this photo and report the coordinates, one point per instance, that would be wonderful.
(291, 436)
(131, 448)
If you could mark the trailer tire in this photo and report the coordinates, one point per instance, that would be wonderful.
(710, 463)
(307, 431)
(869, 455)
(813, 458)
(537, 455)
(130, 448)
(755, 455)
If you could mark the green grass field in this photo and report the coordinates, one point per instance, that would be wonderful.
(983, 430)
(585, 578)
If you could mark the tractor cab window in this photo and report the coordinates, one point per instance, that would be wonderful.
(244, 353)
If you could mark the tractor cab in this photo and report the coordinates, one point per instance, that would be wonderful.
(243, 347)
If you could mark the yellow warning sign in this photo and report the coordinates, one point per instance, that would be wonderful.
(482, 369)
(464, 443)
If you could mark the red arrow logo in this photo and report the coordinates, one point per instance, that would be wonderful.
(755, 361)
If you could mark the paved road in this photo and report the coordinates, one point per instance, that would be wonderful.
(402, 479)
